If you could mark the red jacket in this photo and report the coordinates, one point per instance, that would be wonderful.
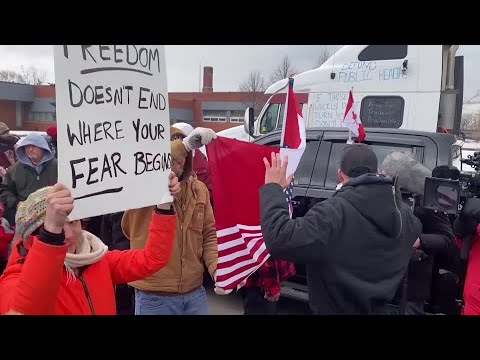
(471, 290)
(39, 285)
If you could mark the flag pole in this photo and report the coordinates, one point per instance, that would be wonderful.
(350, 141)
(290, 81)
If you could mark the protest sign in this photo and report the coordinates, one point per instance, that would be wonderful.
(113, 126)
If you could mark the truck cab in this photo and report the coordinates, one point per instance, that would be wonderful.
(414, 87)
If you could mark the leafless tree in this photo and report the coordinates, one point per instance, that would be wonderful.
(324, 56)
(253, 88)
(30, 75)
(8, 75)
(283, 70)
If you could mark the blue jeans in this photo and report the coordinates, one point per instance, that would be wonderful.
(192, 303)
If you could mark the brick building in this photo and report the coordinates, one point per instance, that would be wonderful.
(32, 107)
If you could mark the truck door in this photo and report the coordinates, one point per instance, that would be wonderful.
(383, 80)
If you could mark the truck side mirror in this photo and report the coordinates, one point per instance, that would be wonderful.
(249, 121)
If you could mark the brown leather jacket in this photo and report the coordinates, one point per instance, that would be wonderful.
(195, 241)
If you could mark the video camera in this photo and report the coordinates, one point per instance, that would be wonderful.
(448, 188)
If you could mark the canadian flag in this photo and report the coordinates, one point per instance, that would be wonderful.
(351, 119)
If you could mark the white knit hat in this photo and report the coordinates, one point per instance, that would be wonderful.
(184, 127)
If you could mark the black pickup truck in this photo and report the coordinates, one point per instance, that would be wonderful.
(316, 177)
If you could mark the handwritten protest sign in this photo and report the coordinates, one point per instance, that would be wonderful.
(113, 126)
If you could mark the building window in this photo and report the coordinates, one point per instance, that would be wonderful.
(237, 116)
(214, 115)
(383, 52)
(41, 116)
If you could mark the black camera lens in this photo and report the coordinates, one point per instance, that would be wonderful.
(446, 196)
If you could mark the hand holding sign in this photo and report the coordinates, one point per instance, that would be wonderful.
(174, 187)
(59, 206)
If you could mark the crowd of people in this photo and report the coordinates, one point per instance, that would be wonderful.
(372, 248)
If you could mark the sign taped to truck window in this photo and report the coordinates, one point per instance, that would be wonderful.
(382, 111)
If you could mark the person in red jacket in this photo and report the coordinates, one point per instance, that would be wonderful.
(467, 231)
(57, 268)
(6, 237)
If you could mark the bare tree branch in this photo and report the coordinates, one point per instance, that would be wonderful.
(253, 88)
(324, 56)
(30, 75)
(283, 71)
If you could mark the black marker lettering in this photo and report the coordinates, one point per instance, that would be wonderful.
(136, 126)
(65, 51)
(75, 177)
(91, 171)
(106, 126)
(85, 51)
(97, 129)
(70, 92)
(128, 55)
(102, 48)
(128, 88)
(140, 98)
(108, 90)
(89, 87)
(98, 97)
(118, 96)
(116, 157)
(117, 130)
(72, 136)
(115, 51)
(106, 167)
(152, 56)
(145, 52)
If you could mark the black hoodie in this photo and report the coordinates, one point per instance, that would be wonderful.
(357, 244)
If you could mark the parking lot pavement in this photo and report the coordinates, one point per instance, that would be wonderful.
(232, 305)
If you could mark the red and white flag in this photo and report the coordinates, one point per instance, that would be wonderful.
(352, 120)
(238, 173)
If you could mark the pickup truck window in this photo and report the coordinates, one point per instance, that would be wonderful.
(381, 150)
(383, 52)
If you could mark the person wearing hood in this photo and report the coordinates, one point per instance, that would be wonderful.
(36, 168)
(356, 245)
(56, 268)
(436, 238)
(178, 289)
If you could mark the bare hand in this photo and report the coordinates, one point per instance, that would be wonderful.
(59, 206)
(273, 298)
(173, 183)
(173, 187)
(276, 172)
(417, 244)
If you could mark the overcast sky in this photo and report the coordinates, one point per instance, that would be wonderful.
(231, 63)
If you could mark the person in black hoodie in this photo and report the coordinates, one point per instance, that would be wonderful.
(356, 245)
(437, 235)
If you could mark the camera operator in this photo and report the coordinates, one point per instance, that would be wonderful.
(467, 231)
(437, 234)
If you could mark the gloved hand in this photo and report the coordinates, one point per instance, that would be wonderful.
(199, 137)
